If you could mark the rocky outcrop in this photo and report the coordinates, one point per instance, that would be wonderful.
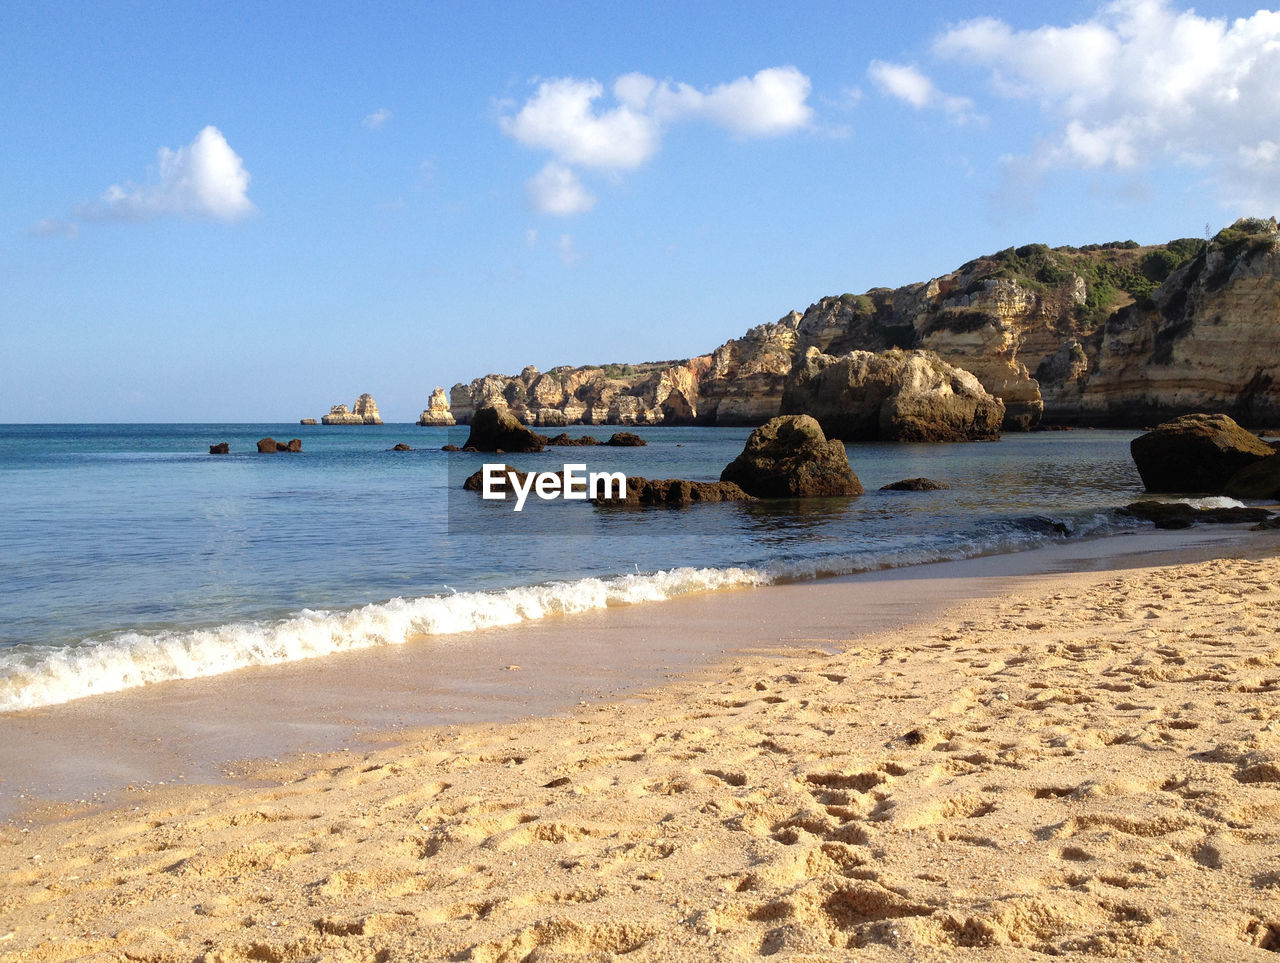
(1207, 339)
(221, 448)
(647, 394)
(308, 421)
(892, 396)
(502, 483)
(1181, 515)
(497, 429)
(1115, 334)
(790, 457)
(674, 491)
(437, 414)
(365, 412)
(1259, 480)
(1196, 453)
(271, 445)
(625, 439)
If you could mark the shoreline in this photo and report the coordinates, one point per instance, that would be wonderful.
(1086, 763)
(206, 730)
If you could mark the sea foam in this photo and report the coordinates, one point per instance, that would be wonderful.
(41, 675)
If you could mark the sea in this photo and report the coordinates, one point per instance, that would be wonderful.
(131, 556)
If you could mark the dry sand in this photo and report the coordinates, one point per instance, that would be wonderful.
(1089, 767)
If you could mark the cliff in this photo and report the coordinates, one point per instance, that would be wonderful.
(1114, 334)
(437, 413)
(365, 412)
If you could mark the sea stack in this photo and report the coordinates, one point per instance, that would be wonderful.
(365, 412)
(437, 414)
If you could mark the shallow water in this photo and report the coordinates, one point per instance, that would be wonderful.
(131, 555)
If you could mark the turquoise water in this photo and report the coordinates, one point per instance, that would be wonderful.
(131, 555)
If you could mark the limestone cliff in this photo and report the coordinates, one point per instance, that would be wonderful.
(1111, 334)
(365, 412)
(437, 413)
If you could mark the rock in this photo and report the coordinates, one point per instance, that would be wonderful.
(1182, 515)
(564, 440)
(625, 439)
(365, 412)
(270, 444)
(476, 480)
(497, 429)
(307, 421)
(1258, 480)
(1195, 453)
(402, 447)
(915, 485)
(675, 491)
(1268, 525)
(891, 396)
(451, 448)
(790, 457)
(437, 413)
(221, 448)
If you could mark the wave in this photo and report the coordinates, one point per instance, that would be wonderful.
(32, 676)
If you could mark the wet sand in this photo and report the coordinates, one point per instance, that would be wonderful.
(1083, 762)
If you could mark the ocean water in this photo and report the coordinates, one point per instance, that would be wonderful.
(130, 555)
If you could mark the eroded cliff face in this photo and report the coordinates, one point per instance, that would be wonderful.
(1207, 340)
(1113, 334)
(365, 412)
(646, 394)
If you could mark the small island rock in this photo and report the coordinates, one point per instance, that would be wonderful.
(437, 414)
(497, 429)
(790, 457)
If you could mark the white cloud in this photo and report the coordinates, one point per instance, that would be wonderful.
(376, 119)
(561, 118)
(1140, 83)
(571, 119)
(908, 84)
(205, 179)
(556, 190)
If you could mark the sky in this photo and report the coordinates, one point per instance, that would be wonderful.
(251, 212)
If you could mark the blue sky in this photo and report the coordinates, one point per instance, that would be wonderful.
(252, 212)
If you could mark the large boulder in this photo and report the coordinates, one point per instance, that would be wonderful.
(789, 457)
(1196, 453)
(497, 429)
(1261, 479)
(894, 395)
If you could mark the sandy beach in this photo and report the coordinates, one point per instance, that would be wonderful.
(1086, 765)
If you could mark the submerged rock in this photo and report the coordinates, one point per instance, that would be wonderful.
(584, 441)
(497, 429)
(221, 448)
(675, 491)
(271, 445)
(475, 481)
(1182, 515)
(790, 457)
(915, 485)
(1195, 453)
(625, 439)
(402, 447)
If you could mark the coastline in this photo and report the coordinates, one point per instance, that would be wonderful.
(1100, 748)
(208, 729)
